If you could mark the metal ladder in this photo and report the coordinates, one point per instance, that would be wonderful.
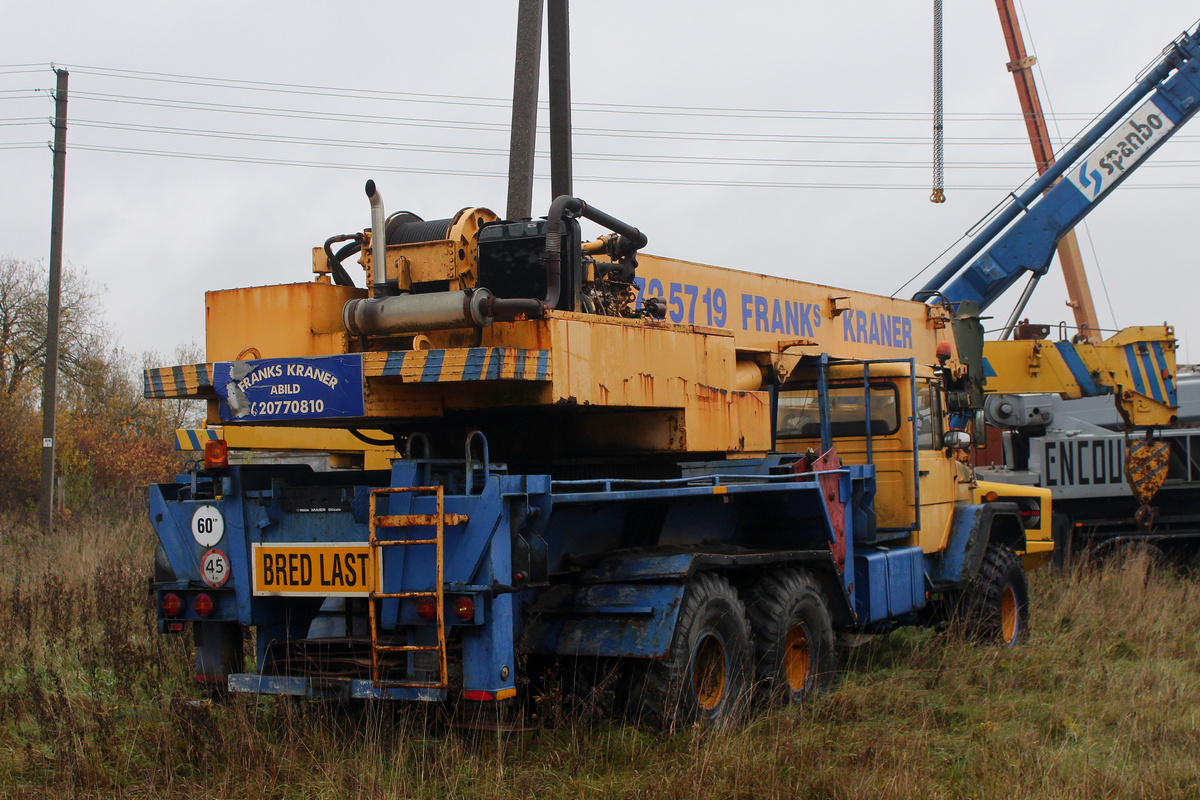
(439, 521)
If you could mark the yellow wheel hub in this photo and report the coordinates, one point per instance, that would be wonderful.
(708, 672)
(1010, 620)
(796, 657)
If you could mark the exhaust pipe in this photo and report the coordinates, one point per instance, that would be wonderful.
(378, 243)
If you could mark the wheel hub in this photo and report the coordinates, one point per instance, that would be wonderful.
(1010, 620)
(709, 672)
(796, 657)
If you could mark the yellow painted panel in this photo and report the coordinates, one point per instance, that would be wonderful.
(762, 310)
(295, 319)
(318, 570)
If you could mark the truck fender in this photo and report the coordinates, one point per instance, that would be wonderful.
(628, 604)
(972, 528)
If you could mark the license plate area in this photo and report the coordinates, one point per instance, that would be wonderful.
(313, 570)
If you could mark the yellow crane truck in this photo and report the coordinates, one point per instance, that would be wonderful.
(690, 477)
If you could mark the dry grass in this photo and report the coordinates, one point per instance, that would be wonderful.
(1103, 701)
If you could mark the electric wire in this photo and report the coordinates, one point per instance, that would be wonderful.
(639, 179)
(500, 152)
(505, 103)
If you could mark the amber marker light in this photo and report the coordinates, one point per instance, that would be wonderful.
(216, 454)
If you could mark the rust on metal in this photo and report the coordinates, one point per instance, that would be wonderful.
(1146, 470)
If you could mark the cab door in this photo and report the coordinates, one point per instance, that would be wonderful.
(939, 473)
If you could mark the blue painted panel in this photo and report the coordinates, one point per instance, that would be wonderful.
(888, 583)
(870, 587)
(609, 620)
(906, 580)
(253, 683)
(268, 684)
(968, 537)
(315, 387)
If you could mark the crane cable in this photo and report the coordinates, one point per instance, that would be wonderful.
(938, 196)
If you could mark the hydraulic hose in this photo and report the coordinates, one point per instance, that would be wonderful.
(340, 276)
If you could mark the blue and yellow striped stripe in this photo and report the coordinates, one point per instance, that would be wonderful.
(465, 364)
(1151, 376)
(195, 438)
(189, 380)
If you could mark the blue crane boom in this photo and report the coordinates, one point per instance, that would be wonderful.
(1166, 98)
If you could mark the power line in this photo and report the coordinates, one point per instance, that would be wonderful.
(501, 127)
(504, 103)
(604, 157)
(503, 175)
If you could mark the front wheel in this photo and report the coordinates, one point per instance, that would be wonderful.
(994, 607)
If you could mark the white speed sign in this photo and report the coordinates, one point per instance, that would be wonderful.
(214, 568)
(208, 526)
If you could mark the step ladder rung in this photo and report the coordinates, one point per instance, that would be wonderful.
(413, 520)
(408, 648)
(394, 542)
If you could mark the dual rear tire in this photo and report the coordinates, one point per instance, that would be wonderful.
(778, 644)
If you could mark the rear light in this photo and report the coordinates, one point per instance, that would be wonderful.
(427, 608)
(464, 609)
(202, 605)
(216, 454)
(172, 605)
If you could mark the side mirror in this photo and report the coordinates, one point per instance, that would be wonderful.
(956, 440)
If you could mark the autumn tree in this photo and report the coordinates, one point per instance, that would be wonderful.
(110, 441)
(23, 326)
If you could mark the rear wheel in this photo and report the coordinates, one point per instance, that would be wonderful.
(705, 679)
(793, 636)
(994, 607)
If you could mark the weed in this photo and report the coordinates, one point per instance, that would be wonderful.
(1102, 701)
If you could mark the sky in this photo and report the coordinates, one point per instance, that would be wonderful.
(212, 145)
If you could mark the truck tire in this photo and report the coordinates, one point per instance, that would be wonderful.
(994, 607)
(705, 680)
(793, 636)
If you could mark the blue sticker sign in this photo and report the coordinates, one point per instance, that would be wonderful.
(278, 389)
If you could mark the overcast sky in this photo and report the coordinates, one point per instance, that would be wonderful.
(212, 145)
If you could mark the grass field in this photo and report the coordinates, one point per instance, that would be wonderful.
(1103, 701)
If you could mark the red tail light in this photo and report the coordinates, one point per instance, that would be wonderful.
(172, 605)
(216, 454)
(427, 608)
(464, 609)
(202, 605)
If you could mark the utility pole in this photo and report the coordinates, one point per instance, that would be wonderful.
(524, 113)
(50, 373)
(558, 38)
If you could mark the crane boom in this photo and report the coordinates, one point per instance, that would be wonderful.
(1023, 236)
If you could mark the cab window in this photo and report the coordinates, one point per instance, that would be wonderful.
(799, 415)
(929, 416)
